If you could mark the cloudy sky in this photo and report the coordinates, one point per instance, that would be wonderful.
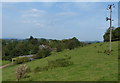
(56, 20)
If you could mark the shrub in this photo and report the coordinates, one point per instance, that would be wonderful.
(72, 43)
(68, 57)
(45, 68)
(21, 72)
(59, 48)
(107, 52)
(38, 69)
(61, 62)
(22, 60)
(99, 51)
(43, 53)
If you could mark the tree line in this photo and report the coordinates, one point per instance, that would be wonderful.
(12, 48)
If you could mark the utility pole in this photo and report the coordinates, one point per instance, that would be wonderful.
(110, 8)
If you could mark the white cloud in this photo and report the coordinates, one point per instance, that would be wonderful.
(30, 15)
(39, 24)
(33, 22)
(34, 10)
(26, 21)
(85, 6)
(67, 13)
(33, 13)
(29, 21)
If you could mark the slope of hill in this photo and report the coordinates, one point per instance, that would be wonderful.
(90, 64)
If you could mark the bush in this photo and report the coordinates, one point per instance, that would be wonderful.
(59, 48)
(107, 52)
(99, 51)
(43, 53)
(68, 57)
(61, 62)
(38, 69)
(21, 72)
(22, 60)
(28, 70)
(72, 43)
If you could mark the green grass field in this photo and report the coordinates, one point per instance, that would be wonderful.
(4, 62)
(89, 65)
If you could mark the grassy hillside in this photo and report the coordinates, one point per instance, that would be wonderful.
(89, 65)
(4, 62)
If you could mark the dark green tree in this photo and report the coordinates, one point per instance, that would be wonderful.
(115, 34)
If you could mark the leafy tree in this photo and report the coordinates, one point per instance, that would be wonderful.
(59, 47)
(34, 50)
(31, 37)
(115, 34)
(13, 48)
(43, 53)
(72, 43)
(44, 41)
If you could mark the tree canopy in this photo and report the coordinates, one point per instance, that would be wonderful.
(14, 48)
(115, 34)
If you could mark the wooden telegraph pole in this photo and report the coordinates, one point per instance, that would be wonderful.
(110, 8)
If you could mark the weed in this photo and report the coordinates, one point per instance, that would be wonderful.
(21, 72)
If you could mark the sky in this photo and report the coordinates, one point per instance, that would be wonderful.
(56, 20)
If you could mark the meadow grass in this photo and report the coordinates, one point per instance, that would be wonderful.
(4, 62)
(89, 65)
